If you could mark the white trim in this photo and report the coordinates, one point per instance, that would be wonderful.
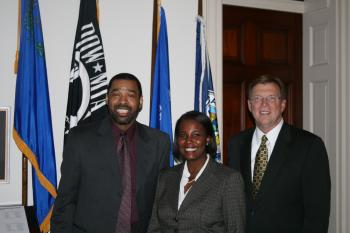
(278, 5)
(212, 14)
(342, 181)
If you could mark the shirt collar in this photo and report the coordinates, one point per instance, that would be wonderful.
(271, 135)
(130, 132)
(187, 173)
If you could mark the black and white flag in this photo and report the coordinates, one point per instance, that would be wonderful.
(88, 79)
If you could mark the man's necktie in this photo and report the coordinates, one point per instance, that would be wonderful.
(260, 166)
(124, 214)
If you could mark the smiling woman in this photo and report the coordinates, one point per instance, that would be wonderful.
(185, 192)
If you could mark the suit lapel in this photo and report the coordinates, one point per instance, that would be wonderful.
(142, 162)
(201, 186)
(278, 157)
(246, 169)
(175, 187)
(108, 150)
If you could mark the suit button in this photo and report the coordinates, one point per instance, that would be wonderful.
(176, 219)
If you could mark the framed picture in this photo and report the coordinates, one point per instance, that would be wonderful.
(4, 144)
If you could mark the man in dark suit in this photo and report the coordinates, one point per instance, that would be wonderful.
(100, 191)
(285, 169)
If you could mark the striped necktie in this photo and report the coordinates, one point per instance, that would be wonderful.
(124, 214)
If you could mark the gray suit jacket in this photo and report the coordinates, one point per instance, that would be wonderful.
(90, 190)
(215, 203)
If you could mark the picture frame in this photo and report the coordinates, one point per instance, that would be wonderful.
(4, 144)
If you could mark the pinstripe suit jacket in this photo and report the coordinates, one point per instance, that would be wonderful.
(215, 203)
(90, 189)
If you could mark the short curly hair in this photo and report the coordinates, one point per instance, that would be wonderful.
(202, 119)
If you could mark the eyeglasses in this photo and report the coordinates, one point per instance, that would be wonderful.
(271, 99)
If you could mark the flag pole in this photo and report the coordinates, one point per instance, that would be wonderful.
(24, 180)
(24, 158)
(200, 8)
(155, 32)
(98, 10)
(159, 3)
(15, 66)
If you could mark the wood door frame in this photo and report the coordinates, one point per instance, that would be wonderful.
(212, 12)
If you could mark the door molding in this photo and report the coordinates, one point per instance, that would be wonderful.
(212, 13)
(278, 5)
(342, 124)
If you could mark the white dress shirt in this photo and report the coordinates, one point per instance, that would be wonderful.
(271, 141)
(184, 179)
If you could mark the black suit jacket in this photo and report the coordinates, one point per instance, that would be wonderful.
(294, 195)
(90, 190)
(215, 202)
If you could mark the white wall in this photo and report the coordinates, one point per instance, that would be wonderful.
(11, 191)
(126, 28)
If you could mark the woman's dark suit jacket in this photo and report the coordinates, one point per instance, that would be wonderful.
(215, 202)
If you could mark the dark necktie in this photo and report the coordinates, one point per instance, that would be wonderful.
(260, 166)
(124, 214)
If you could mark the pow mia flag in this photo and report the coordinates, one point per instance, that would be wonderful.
(88, 80)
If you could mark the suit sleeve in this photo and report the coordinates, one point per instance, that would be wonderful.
(154, 226)
(65, 203)
(164, 145)
(316, 189)
(233, 153)
(234, 204)
(165, 152)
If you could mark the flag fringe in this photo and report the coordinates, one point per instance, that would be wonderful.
(45, 225)
(32, 158)
(15, 66)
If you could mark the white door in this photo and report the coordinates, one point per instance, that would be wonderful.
(319, 81)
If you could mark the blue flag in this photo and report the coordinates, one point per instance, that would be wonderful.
(160, 116)
(32, 117)
(204, 100)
